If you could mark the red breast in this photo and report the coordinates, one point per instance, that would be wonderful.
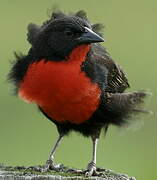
(61, 89)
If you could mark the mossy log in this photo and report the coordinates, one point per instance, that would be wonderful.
(33, 173)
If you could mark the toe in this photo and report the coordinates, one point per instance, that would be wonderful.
(91, 168)
(89, 173)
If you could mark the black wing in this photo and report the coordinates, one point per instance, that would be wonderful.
(116, 106)
(100, 67)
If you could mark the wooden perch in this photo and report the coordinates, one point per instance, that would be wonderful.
(29, 173)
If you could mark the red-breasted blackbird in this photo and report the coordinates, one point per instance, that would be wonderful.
(73, 80)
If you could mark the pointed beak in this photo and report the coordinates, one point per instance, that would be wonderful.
(89, 37)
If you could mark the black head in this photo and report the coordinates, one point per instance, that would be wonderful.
(56, 38)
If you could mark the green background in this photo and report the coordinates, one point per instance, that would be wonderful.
(131, 33)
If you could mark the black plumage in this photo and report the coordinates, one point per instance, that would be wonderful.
(116, 106)
(49, 41)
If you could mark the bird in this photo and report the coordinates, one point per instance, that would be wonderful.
(73, 80)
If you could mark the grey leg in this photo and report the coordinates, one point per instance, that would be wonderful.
(49, 162)
(91, 168)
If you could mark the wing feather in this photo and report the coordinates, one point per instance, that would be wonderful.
(115, 79)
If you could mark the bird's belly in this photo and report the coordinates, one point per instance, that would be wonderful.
(62, 90)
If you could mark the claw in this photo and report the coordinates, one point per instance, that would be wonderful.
(51, 166)
(91, 169)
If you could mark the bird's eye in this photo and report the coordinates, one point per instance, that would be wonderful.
(68, 32)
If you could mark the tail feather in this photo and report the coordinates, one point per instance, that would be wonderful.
(121, 106)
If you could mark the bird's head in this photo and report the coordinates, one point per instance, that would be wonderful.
(57, 37)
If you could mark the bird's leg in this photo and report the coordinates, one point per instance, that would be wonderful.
(50, 162)
(91, 168)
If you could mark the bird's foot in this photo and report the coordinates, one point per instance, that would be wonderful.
(51, 166)
(92, 170)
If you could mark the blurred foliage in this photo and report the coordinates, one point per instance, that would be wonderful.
(26, 136)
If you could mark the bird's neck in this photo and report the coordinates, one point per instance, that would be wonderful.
(78, 54)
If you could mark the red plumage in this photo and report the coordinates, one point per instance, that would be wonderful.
(73, 80)
(61, 89)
